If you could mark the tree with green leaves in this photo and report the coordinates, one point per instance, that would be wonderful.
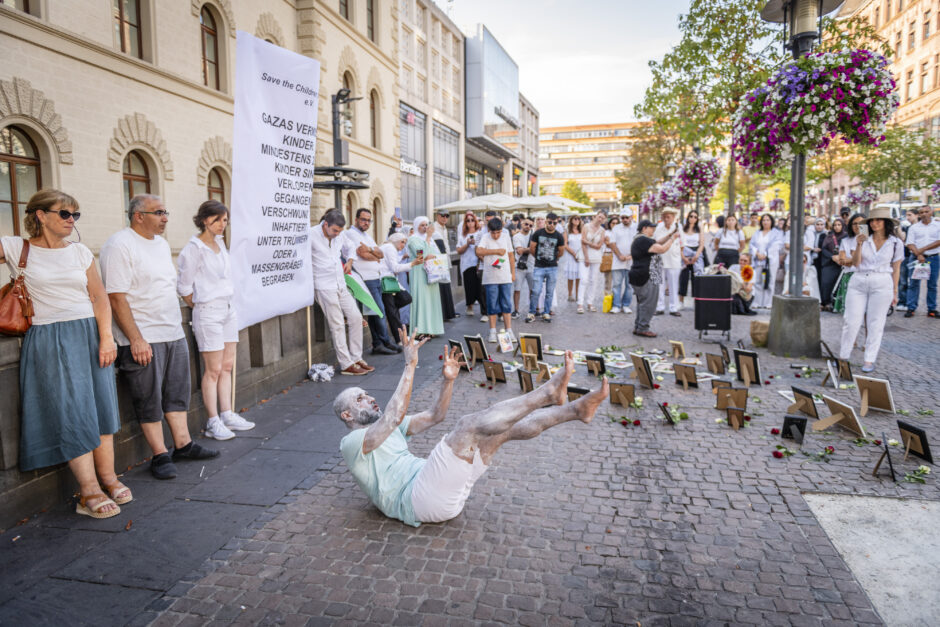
(906, 158)
(653, 147)
(823, 167)
(573, 191)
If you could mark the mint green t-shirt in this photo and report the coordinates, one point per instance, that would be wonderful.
(386, 474)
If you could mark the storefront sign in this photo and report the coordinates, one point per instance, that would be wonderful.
(410, 168)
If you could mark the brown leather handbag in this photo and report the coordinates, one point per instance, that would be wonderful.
(16, 308)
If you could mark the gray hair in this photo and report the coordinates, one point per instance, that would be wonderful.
(138, 203)
(345, 401)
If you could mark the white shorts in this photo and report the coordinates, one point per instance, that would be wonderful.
(441, 488)
(214, 324)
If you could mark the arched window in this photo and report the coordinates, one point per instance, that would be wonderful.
(374, 118)
(136, 176)
(210, 49)
(349, 111)
(127, 27)
(19, 178)
(216, 185)
(376, 209)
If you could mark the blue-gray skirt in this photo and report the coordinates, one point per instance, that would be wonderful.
(68, 400)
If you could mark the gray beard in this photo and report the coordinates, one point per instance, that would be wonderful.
(368, 416)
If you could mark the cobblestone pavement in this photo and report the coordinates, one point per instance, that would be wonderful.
(589, 524)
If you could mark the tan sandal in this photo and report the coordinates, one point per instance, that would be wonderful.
(95, 510)
(116, 489)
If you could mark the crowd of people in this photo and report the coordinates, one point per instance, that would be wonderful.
(129, 319)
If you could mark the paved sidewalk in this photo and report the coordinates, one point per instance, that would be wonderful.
(588, 524)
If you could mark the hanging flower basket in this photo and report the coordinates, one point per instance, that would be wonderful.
(699, 176)
(671, 195)
(811, 100)
(861, 196)
(935, 189)
(777, 204)
(756, 207)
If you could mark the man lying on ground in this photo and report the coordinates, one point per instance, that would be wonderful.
(415, 490)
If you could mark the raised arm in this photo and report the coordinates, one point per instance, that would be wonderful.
(429, 418)
(395, 410)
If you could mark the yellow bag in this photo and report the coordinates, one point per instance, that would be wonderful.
(608, 303)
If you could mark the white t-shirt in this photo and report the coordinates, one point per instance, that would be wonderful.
(55, 279)
(880, 260)
(469, 257)
(368, 270)
(325, 254)
(672, 258)
(921, 235)
(729, 239)
(493, 274)
(521, 240)
(390, 264)
(143, 270)
(765, 243)
(622, 237)
(594, 255)
(848, 245)
(204, 273)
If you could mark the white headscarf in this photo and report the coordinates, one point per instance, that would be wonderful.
(417, 224)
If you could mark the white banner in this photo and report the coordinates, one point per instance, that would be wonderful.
(274, 150)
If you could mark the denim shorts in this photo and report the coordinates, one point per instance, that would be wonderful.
(498, 298)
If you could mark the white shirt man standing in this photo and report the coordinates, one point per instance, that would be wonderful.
(672, 262)
(524, 263)
(330, 292)
(923, 240)
(619, 240)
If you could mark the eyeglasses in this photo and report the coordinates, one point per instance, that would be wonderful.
(367, 220)
(159, 212)
(65, 215)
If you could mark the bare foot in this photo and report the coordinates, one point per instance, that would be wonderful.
(588, 404)
(558, 384)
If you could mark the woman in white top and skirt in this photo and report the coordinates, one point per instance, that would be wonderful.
(765, 255)
(205, 283)
(728, 242)
(693, 263)
(67, 387)
(874, 286)
(592, 249)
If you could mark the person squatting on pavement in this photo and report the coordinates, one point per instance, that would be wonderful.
(415, 490)
(140, 279)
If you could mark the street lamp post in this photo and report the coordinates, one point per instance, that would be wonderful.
(794, 319)
(698, 151)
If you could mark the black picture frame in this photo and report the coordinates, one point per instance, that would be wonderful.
(735, 417)
(921, 435)
(799, 393)
(575, 392)
(534, 337)
(476, 340)
(741, 345)
(595, 364)
(461, 356)
(526, 384)
(494, 370)
(689, 372)
(724, 353)
(715, 363)
(720, 383)
(791, 422)
(743, 356)
(667, 417)
(644, 374)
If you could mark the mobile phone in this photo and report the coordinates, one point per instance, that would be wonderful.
(863, 229)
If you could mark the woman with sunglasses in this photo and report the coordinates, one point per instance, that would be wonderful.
(467, 240)
(67, 389)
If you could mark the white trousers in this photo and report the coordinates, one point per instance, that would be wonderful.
(337, 304)
(670, 280)
(764, 297)
(869, 295)
(591, 280)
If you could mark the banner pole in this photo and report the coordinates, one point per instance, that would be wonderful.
(309, 343)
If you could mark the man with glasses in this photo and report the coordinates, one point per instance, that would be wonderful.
(520, 242)
(153, 357)
(366, 257)
(923, 240)
(619, 240)
(545, 248)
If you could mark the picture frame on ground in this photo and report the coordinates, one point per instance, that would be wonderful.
(685, 376)
(914, 440)
(595, 364)
(803, 402)
(840, 414)
(735, 417)
(575, 392)
(724, 353)
(544, 373)
(531, 344)
(874, 393)
(718, 384)
(494, 371)
(504, 341)
(525, 380)
(622, 394)
(667, 417)
(748, 366)
(731, 397)
(741, 344)
(837, 369)
(828, 354)
(641, 367)
(460, 356)
(715, 363)
(476, 348)
(678, 349)
(886, 453)
(794, 428)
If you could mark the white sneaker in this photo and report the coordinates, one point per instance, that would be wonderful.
(493, 336)
(512, 336)
(217, 430)
(615, 310)
(484, 318)
(236, 423)
(627, 310)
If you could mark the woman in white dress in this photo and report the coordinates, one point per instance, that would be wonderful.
(728, 242)
(693, 244)
(572, 256)
(592, 249)
(765, 255)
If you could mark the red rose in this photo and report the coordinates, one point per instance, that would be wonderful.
(636, 423)
(766, 382)
(665, 404)
(747, 419)
(778, 454)
(441, 357)
(830, 450)
(877, 442)
(771, 376)
(775, 431)
(655, 386)
(797, 375)
(489, 387)
(623, 422)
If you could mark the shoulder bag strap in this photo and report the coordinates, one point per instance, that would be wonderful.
(23, 254)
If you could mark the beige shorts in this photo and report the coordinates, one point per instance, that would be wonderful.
(441, 488)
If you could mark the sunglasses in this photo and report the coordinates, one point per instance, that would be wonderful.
(65, 215)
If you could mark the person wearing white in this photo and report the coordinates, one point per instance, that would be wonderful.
(728, 242)
(765, 254)
(592, 249)
(499, 273)
(468, 236)
(874, 287)
(693, 246)
(524, 264)
(390, 267)
(326, 244)
(672, 262)
(573, 256)
(923, 240)
(204, 281)
(619, 241)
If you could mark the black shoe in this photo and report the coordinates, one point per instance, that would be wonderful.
(659, 313)
(675, 313)
(194, 451)
(161, 467)
(395, 347)
(909, 313)
(750, 313)
(933, 314)
(381, 349)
